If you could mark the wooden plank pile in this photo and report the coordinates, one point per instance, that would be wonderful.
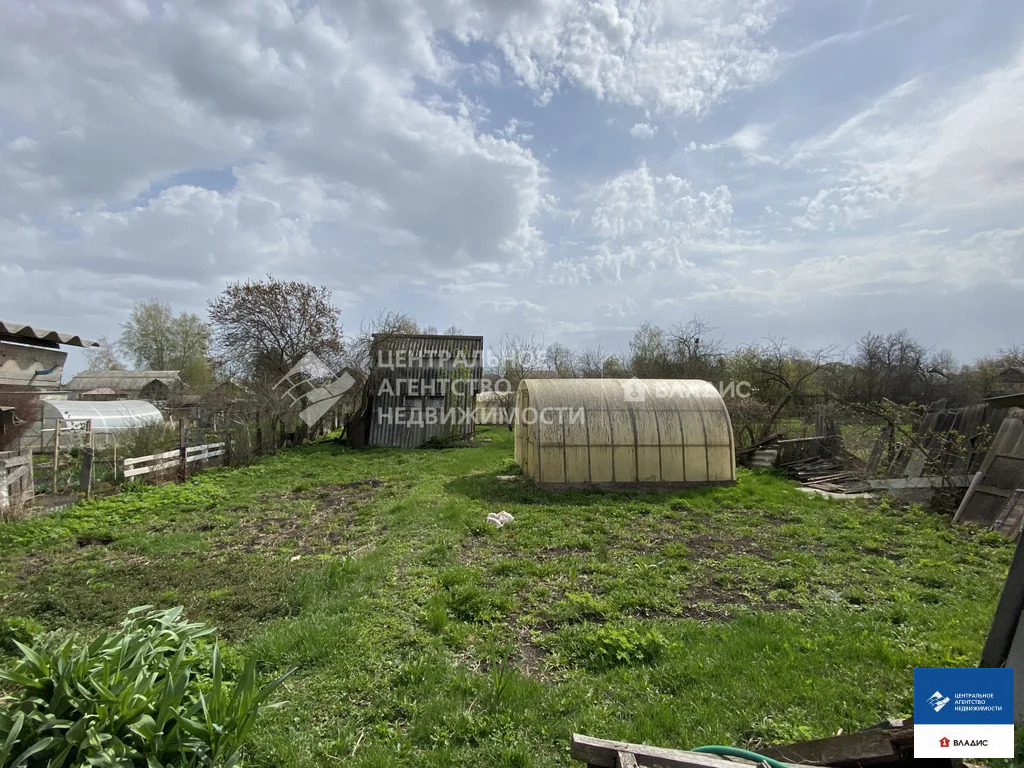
(826, 474)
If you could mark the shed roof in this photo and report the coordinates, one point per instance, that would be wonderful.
(1014, 400)
(27, 334)
(127, 381)
(105, 415)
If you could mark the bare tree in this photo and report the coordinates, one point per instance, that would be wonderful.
(890, 365)
(562, 360)
(590, 362)
(514, 359)
(1013, 356)
(104, 357)
(650, 356)
(782, 374)
(386, 322)
(696, 352)
(261, 328)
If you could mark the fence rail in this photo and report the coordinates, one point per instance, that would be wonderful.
(176, 459)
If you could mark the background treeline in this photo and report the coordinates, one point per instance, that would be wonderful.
(255, 331)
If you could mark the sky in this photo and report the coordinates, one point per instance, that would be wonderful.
(564, 170)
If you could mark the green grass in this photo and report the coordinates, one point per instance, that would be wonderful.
(424, 636)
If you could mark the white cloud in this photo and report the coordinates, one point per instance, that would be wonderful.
(638, 221)
(647, 206)
(748, 140)
(929, 151)
(319, 93)
(643, 131)
(673, 56)
(395, 150)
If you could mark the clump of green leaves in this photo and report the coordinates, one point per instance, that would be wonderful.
(151, 693)
(17, 629)
(467, 597)
(610, 646)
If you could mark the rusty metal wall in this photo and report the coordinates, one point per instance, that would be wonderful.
(412, 376)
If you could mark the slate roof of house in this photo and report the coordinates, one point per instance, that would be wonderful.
(27, 334)
(124, 381)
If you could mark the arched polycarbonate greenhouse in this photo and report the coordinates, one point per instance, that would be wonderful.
(612, 432)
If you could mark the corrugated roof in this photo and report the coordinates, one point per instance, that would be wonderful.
(1013, 400)
(28, 334)
(128, 381)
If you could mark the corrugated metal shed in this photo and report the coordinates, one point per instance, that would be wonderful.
(27, 334)
(624, 432)
(422, 388)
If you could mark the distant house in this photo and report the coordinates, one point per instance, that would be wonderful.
(152, 386)
(1009, 381)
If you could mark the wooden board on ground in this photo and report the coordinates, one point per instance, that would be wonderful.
(605, 754)
(890, 743)
(1011, 519)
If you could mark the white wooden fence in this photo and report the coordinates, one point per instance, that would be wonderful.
(16, 486)
(176, 459)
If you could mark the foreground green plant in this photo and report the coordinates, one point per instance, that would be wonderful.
(150, 694)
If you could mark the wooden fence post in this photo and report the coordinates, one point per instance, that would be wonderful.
(4, 498)
(85, 479)
(183, 448)
(56, 455)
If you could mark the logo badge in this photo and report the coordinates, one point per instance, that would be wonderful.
(962, 713)
(634, 391)
(317, 400)
(938, 701)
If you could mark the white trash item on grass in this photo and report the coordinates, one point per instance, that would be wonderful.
(500, 519)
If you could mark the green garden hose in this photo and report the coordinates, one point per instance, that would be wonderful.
(737, 752)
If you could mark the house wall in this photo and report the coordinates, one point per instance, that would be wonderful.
(19, 364)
